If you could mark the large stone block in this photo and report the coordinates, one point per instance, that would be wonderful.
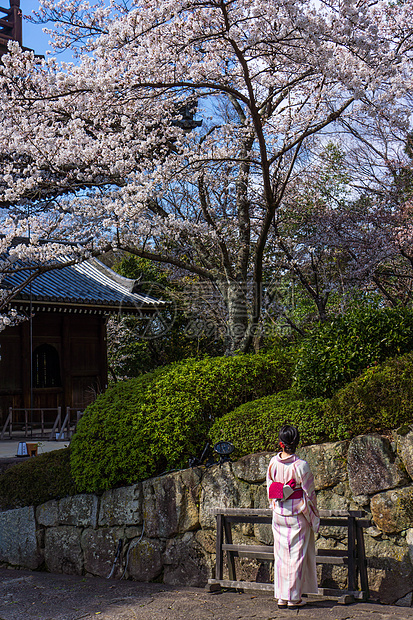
(253, 467)
(99, 551)
(145, 559)
(389, 569)
(372, 466)
(392, 511)
(79, 510)
(171, 503)
(186, 563)
(121, 506)
(405, 450)
(207, 539)
(48, 514)
(327, 462)
(18, 541)
(220, 489)
(260, 496)
(337, 498)
(63, 551)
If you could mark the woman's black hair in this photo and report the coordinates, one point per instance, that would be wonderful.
(289, 437)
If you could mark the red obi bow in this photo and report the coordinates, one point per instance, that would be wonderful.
(276, 490)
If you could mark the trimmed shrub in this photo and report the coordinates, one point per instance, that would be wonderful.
(254, 426)
(338, 351)
(37, 480)
(105, 442)
(155, 422)
(121, 444)
(379, 400)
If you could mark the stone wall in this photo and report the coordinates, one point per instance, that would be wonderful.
(162, 529)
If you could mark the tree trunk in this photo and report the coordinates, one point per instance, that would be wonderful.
(240, 328)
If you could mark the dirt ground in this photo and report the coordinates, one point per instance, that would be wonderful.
(26, 595)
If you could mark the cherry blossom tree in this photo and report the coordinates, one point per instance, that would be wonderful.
(313, 267)
(100, 149)
(373, 229)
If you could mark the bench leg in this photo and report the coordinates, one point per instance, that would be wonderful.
(351, 554)
(347, 599)
(361, 560)
(219, 567)
(230, 556)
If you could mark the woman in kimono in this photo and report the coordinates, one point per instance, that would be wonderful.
(295, 520)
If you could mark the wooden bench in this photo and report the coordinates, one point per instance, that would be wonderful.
(353, 557)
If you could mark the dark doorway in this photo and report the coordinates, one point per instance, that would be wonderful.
(46, 367)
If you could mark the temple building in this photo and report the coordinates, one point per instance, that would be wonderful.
(57, 358)
(55, 361)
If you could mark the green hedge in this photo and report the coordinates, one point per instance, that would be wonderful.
(338, 351)
(254, 426)
(379, 400)
(156, 422)
(134, 428)
(37, 480)
(105, 439)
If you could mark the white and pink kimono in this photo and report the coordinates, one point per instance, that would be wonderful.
(294, 523)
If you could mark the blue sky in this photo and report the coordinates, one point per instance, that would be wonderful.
(33, 35)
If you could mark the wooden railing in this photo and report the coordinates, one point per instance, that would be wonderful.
(353, 557)
(69, 424)
(33, 419)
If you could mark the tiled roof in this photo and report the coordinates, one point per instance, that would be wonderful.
(89, 283)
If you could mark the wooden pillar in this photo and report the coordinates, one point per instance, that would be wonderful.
(219, 569)
(16, 19)
(103, 354)
(362, 564)
(66, 370)
(230, 555)
(25, 362)
(351, 553)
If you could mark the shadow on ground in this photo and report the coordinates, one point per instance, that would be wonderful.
(43, 596)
